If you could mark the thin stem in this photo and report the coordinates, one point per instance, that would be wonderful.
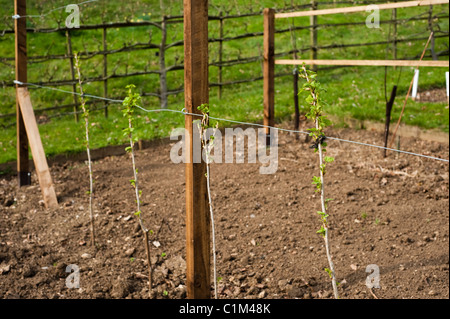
(317, 115)
(212, 227)
(138, 202)
(325, 224)
(207, 148)
(86, 122)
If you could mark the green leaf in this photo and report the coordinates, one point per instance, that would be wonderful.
(328, 159)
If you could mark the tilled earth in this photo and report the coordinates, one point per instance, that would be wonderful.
(392, 213)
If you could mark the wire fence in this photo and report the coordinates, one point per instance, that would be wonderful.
(108, 67)
(232, 121)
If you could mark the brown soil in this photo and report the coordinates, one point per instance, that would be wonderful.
(434, 95)
(391, 212)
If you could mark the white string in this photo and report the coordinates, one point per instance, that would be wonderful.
(16, 16)
(233, 121)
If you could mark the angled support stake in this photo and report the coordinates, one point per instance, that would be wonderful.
(37, 150)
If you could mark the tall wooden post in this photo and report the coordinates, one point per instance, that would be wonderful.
(20, 24)
(269, 70)
(105, 71)
(220, 53)
(162, 65)
(198, 281)
(72, 72)
(313, 35)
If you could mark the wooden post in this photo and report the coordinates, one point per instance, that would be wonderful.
(430, 27)
(313, 35)
(269, 70)
(395, 34)
(389, 106)
(162, 65)
(198, 272)
(72, 72)
(220, 53)
(105, 71)
(297, 110)
(40, 162)
(20, 24)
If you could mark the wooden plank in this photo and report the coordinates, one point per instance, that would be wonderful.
(269, 70)
(366, 63)
(404, 4)
(23, 164)
(37, 150)
(198, 272)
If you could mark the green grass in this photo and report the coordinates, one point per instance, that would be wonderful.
(356, 92)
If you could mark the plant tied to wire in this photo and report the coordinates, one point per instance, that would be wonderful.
(129, 106)
(207, 145)
(314, 99)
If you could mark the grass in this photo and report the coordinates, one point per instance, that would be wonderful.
(356, 92)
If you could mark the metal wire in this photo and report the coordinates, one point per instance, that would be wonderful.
(235, 122)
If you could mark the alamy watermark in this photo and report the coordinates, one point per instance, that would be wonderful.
(73, 280)
(73, 20)
(256, 147)
(373, 280)
(373, 19)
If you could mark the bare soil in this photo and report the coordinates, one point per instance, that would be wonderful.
(391, 212)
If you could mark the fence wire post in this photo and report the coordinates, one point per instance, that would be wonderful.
(162, 65)
(23, 165)
(269, 71)
(105, 71)
(313, 35)
(198, 250)
(72, 72)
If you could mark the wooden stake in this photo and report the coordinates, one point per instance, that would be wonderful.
(72, 72)
(269, 70)
(105, 71)
(23, 165)
(198, 281)
(389, 106)
(40, 162)
(162, 65)
(313, 35)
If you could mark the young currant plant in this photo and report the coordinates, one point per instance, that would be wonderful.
(86, 110)
(207, 145)
(314, 99)
(129, 106)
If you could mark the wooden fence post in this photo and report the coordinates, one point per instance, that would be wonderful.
(220, 53)
(105, 71)
(162, 65)
(269, 70)
(198, 272)
(72, 72)
(20, 24)
(313, 35)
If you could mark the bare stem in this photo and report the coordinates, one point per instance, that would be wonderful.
(138, 202)
(325, 224)
(322, 193)
(207, 148)
(86, 122)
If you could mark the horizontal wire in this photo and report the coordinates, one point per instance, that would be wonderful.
(16, 16)
(233, 121)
